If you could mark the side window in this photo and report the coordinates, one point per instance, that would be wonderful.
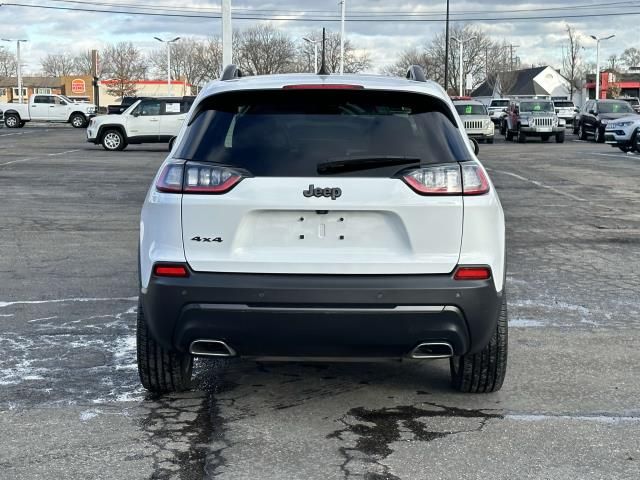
(148, 108)
(58, 101)
(43, 99)
(185, 106)
(171, 108)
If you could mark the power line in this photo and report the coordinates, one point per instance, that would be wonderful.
(302, 18)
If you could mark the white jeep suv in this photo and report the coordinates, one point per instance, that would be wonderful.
(148, 120)
(322, 217)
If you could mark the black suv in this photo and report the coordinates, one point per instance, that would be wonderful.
(596, 114)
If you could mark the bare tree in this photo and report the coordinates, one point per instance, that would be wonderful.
(630, 57)
(411, 56)
(8, 64)
(613, 63)
(57, 65)
(571, 60)
(264, 49)
(355, 60)
(195, 61)
(123, 64)
(83, 63)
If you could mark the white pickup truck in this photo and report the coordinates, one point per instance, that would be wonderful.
(48, 108)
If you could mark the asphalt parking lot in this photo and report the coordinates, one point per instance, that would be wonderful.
(70, 402)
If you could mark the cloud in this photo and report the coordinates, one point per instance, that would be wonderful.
(540, 41)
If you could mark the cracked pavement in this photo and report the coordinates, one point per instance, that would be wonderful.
(71, 405)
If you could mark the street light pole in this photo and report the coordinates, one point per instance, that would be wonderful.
(315, 51)
(461, 43)
(227, 34)
(446, 51)
(168, 42)
(19, 66)
(598, 40)
(344, 8)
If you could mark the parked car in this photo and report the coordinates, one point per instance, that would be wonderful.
(1, 118)
(48, 108)
(533, 118)
(126, 103)
(476, 120)
(633, 101)
(623, 133)
(566, 110)
(596, 114)
(497, 110)
(148, 120)
(319, 216)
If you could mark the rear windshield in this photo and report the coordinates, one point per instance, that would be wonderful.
(564, 104)
(470, 109)
(537, 107)
(614, 107)
(499, 103)
(290, 132)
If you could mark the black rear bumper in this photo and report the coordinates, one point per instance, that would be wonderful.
(321, 315)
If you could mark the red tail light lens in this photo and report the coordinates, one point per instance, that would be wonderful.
(474, 180)
(448, 179)
(167, 270)
(436, 180)
(199, 178)
(472, 273)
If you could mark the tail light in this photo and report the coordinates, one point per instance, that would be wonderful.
(193, 177)
(170, 270)
(448, 179)
(472, 273)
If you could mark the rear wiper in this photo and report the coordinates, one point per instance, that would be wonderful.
(354, 164)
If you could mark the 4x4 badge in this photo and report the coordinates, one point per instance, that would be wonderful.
(333, 193)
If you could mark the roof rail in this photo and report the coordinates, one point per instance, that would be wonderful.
(416, 74)
(230, 72)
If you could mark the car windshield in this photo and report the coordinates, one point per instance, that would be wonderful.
(471, 109)
(614, 107)
(289, 132)
(537, 107)
(499, 103)
(564, 104)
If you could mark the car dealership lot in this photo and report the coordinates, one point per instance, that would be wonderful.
(70, 401)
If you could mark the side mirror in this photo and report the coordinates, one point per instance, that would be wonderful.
(505, 110)
(592, 112)
(135, 114)
(474, 144)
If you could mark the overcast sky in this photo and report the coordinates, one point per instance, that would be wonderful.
(540, 41)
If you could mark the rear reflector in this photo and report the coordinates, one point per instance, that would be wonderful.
(170, 271)
(323, 86)
(472, 273)
(195, 177)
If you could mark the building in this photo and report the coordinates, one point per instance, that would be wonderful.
(624, 84)
(81, 88)
(539, 82)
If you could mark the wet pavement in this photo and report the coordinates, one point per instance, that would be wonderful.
(70, 401)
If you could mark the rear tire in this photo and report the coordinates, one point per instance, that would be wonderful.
(599, 135)
(582, 134)
(12, 120)
(560, 137)
(113, 140)
(160, 371)
(508, 134)
(484, 372)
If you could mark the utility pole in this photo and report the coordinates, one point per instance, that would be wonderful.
(344, 8)
(598, 40)
(227, 34)
(446, 51)
(315, 51)
(168, 42)
(20, 96)
(461, 43)
(511, 47)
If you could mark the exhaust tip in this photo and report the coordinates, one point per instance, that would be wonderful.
(211, 348)
(432, 350)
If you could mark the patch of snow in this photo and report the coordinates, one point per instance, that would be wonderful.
(525, 323)
(89, 414)
(580, 418)
(67, 300)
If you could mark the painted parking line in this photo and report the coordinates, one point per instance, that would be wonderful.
(613, 155)
(36, 158)
(540, 184)
(16, 133)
